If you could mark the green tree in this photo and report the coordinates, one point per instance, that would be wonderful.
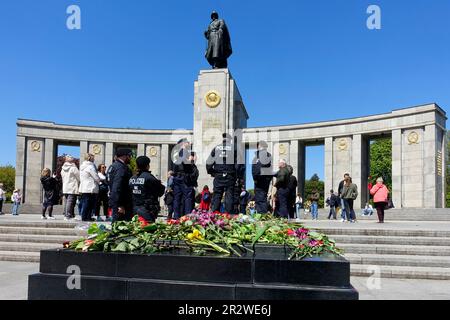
(7, 178)
(133, 165)
(315, 184)
(381, 161)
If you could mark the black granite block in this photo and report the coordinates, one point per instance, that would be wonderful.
(185, 267)
(54, 287)
(90, 263)
(180, 275)
(269, 292)
(177, 290)
(318, 271)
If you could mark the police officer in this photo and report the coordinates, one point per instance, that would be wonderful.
(146, 190)
(222, 164)
(262, 172)
(183, 191)
(119, 175)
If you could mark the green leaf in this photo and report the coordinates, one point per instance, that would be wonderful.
(189, 223)
(80, 245)
(93, 229)
(121, 247)
(150, 228)
(260, 233)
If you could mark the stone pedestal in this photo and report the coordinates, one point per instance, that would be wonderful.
(218, 108)
(178, 275)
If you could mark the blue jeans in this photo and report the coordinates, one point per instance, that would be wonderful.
(351, 216)
(297, 209)
(343, 212)
(88, 203)
(15, 209)
(315, 210)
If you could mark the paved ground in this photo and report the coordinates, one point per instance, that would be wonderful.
(389, 225)
(14, 283)
(14, 279)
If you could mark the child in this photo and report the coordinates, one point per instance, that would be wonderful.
(205, 203)
(2, 198)
(252, 207)
(16, 199)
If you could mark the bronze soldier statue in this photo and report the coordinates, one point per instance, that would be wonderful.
(219, 43)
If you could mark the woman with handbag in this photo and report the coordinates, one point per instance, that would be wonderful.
(380, 195)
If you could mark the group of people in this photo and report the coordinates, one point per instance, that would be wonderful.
(123, 195)
(348, 192)
(115, 189)
(16, 199)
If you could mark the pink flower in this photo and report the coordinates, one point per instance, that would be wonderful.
(313, 243)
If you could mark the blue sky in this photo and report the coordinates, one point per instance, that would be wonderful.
(294, 61)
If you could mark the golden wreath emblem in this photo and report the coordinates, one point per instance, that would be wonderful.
(413, 138)
(342, 144)
(282, 149)
(36, 146)
(213, 99)
(153, 152)
(96, 149)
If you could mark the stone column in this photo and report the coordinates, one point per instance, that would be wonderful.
(397, 191)
(293, 156)
(154, 153)
(141, 150)
(413, 166)
(49, 156)
(358, 173)
(430, 167)
(84, 148)
(21, 151)
(218, 108)
(297, 161)
(109, 153)
(329, 170)
(98, 150)
(342, 159)
(444, 150)
(164, 162)
(34, 165)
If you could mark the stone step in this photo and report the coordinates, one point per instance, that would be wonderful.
(39, 231)
(19, 256)
(414, 241)
(27, 246)
(399, 260)
(38, 224)
(399, 272)
(387, 249)
(30, 238)
(384, 232)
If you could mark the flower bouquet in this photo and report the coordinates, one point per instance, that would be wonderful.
(205, 232)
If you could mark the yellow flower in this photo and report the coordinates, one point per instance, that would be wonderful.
(195, 235)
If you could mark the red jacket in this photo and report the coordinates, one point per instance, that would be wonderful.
(205, 205)
(380, 193)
